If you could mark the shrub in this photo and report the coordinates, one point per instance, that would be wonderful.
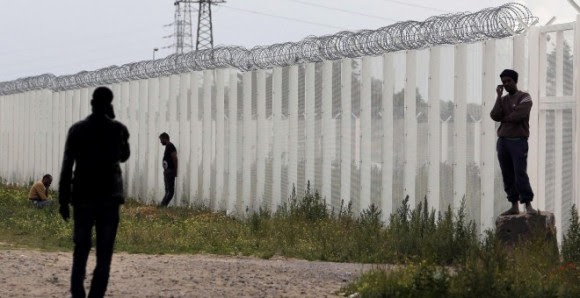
(415, 280)
(416, 233)
(571, 241)
(311, 207)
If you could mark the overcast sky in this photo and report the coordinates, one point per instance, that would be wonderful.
(68, 36)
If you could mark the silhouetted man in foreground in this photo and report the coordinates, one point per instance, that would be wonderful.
(513, 111)
(95, 146)
(169, 168)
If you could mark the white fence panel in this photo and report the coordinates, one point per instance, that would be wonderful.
(248, 139)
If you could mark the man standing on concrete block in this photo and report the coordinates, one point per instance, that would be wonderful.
(95, 147)
(513, 111)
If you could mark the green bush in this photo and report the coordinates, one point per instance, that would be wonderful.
(531, 269)
(311, 207)
(416, 233)
(571, 240)
(414, 280)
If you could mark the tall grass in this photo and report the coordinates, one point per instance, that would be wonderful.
(533, 268)
(442, 254)
(571, 241)
(302, 227)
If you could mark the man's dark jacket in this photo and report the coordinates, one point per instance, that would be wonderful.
(96, 146)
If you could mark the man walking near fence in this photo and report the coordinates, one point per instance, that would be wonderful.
(513, 111)
(169, 168)
(96, 146)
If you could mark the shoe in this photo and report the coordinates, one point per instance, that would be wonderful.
(513, 210)
(530, 209)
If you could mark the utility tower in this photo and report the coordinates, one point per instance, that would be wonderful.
(182, 36)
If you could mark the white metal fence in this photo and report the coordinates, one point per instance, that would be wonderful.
(362, 131)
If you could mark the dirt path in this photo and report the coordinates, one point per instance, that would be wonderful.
(26, 273)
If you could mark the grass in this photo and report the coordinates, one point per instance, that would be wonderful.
(533, 268)
(442, 254)
(302, 228)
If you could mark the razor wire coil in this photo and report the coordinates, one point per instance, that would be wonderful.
(447, 29)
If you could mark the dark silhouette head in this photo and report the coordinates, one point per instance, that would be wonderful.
(509, 78)
(102, 102)
(47, 180)
(164, 138)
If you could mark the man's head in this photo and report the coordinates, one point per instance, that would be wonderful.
(47, 180)
(102, 102)
(164, 138)
(509, 79)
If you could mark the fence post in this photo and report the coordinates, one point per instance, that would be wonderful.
(345, 131)
(173, 127)
(3, 141)
(488, 137)
(53, 133)
(533, 90)
(207, 138)
(247, 141)
(411, 126)
(153, 134)
(293, 128)
(366, 135)
(62, 128)
(327, 131)
(122, 101)
(542, 65)
(277, 142)
(31, 98)
(220, 139)
(460, 126)
(134, 111)
(19, 134)
(16, 136)
(577, 112)
(309, 125)
(388, 147)
(163, 126)
(261, 138)
(434, 128)
(184, 134)
(276, 145)
(233, 140)
(559, 127)
(44, 132)
(519, 59)
(142, 141)
(4, 148)
(207, 134)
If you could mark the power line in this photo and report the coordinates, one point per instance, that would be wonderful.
(49, 54)
(80, 45)
(418, 6)
(343, 10)
(283, 17)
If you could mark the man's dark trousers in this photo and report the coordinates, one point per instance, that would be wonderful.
(105, 218)
(512, 154)
(169, 179)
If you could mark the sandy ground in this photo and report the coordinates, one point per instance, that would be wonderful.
(28, 273)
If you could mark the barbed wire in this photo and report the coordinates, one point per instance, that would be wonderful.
(448, 29)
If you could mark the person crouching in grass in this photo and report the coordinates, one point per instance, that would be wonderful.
(38, 194)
